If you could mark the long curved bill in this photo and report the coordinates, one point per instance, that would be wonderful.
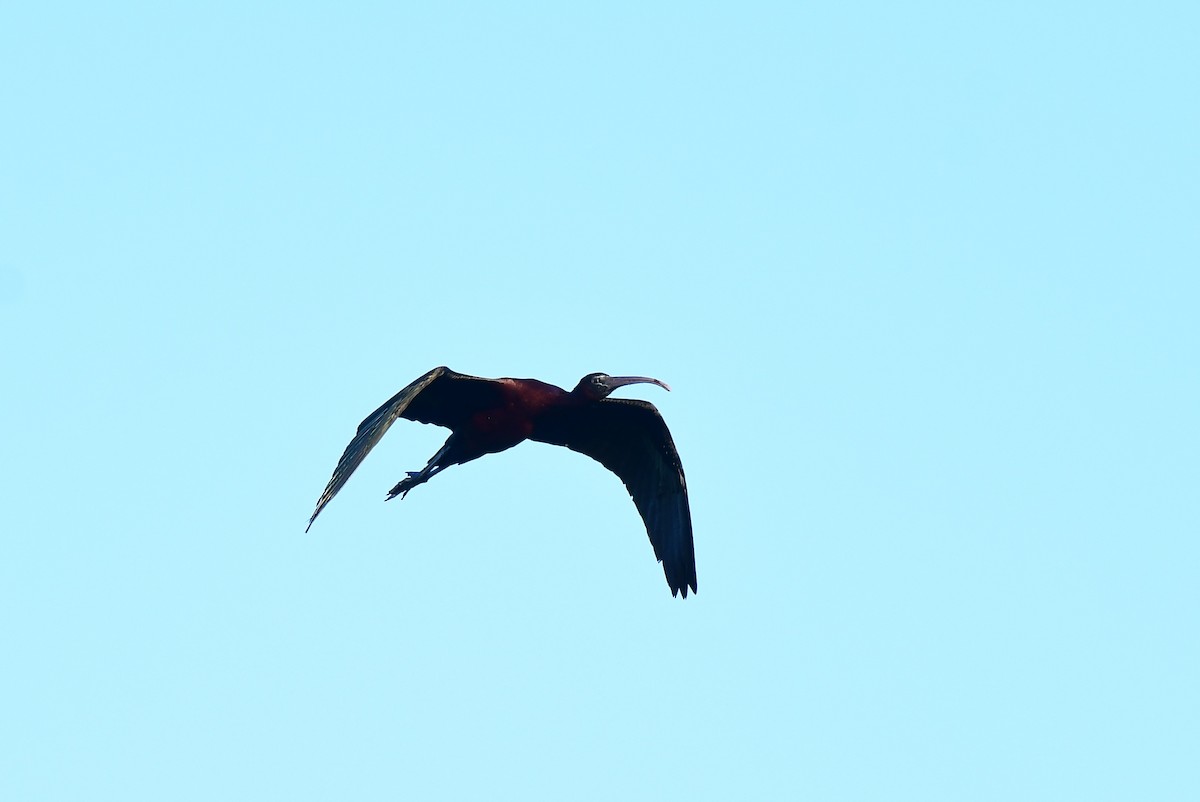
(621, 381)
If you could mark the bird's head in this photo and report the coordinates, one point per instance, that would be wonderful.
(595, 386)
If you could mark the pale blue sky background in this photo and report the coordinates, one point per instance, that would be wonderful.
(923, 278)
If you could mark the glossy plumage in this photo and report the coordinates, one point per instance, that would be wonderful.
(485, 416)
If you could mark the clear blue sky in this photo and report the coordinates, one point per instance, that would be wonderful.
(923, 279)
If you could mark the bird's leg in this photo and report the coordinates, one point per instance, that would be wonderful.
(415, 478)
(410, 481)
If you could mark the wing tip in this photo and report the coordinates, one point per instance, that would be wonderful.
(320, 506)
(682, 587)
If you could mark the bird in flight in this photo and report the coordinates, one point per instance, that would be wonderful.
(486, 416)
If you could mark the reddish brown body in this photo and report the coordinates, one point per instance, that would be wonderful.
(509, 423)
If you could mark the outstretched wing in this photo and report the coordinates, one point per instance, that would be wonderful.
(441, 397)
(631, 439)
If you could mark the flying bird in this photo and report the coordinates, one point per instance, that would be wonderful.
(486, 416)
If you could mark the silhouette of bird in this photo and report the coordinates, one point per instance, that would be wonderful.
(486, 416)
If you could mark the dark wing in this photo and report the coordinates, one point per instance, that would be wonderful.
(441, 397)
(631, 439)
